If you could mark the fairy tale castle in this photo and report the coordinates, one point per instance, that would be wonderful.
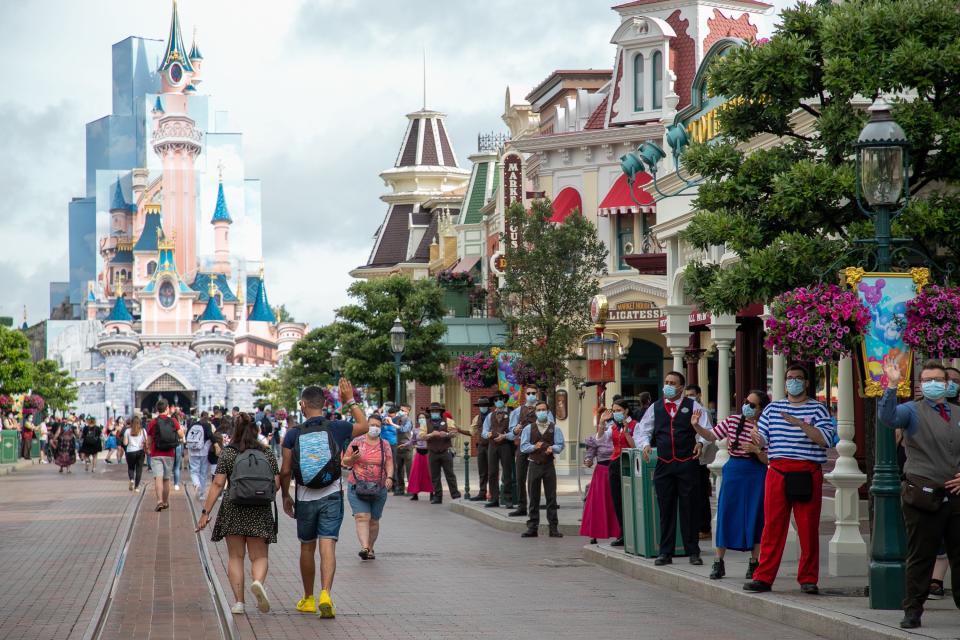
(175, 281)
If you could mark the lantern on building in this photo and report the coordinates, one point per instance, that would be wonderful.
(601, 349)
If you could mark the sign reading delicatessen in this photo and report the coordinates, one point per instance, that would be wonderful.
(634, 311)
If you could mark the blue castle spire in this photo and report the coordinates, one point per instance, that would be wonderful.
(118, 201)
(261, 308)
(120, 313)
(221, 212)
(212, 313)
(158, 106)
(176, 50)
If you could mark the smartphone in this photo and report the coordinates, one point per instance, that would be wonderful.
(355, 448)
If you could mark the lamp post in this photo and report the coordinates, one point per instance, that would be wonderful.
(882, 194)
(398, 341)
(107, 404)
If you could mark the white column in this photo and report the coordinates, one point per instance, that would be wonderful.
(678, 332)
(723, 331)
(848, 551)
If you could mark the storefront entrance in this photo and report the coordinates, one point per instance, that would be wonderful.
(642, 369)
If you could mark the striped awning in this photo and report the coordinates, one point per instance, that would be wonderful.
(618, 199)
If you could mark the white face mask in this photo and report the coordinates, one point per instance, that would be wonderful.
(374, 432)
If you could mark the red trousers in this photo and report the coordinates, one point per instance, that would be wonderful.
(776, 519)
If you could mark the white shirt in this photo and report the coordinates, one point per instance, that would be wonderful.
(644, 430)
(135, 443)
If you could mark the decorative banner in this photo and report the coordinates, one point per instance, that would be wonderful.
(886, 296)
(505, 361)
(512, 192)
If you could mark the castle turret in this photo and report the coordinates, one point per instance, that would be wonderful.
(176, 69)
(119, 344)
(213, 344)
(196, 60)
(221, 233)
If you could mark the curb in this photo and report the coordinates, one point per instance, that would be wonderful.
(7, 469)
(508, 525)
(95, 626)
(825, 623)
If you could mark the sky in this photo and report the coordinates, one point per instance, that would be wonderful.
(319, 89)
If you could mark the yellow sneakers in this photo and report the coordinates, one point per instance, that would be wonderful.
(327, 610)
(307, 605)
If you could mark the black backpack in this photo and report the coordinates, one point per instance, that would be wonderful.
(252, 479)
(316, 456)
(166, 434)
(91, 436)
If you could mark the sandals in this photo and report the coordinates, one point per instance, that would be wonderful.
(364, 553)
(371, 555)
(161, 506)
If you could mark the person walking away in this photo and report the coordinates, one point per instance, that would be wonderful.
(930, 490)
(708, 453)
(65, 447)
(110, 443)
(438, 434)
(163, 438)
(197, 444)
(500, 453)
(476, 430)
(313, 455)
(541, 441)
(134, 441)
(520, 418)
(622, 433)
(599, 516)
(740, 504)
(668, 425)
(247, 518)
(797, 432)
(420, 467)
(90, 444)
(121, 431)
(370, 478)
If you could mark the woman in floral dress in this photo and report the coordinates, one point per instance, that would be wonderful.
(65, 447)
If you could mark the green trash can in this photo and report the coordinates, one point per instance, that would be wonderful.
(9, 446)
(641, 518)
(35, 447)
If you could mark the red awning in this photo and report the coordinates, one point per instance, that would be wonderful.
(566, 201)
(618, 199)
(466, 264)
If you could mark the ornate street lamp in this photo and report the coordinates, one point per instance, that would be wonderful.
(398, 341)
(649, 154)
(882, 194)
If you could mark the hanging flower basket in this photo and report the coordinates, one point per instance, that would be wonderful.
(525, 374)
(32, 404)
(933, 322)
(457, 281)
(6, 403)
(822, 323)
(478, 371)
(281, 414)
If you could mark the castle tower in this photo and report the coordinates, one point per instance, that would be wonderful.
(213, 344)
(120, 213)
(119, 344)
(196, 61)
(221, 233)
(288, 334)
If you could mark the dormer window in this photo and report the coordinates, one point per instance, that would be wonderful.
(151, 268)
(657, 80)
(638, 82)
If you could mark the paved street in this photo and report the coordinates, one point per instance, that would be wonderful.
(441, 575)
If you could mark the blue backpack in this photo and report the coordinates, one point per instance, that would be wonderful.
(316, 456)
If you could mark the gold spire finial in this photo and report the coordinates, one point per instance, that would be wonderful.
(261, 272)
(241, 294)
(24, 314)
(212, 289)
(120, 280)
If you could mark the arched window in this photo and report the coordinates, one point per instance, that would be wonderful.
(638, 82)
(151, 268)
(657, 80)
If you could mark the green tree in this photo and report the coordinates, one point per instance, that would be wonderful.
(788, 211)
(312, 360)
(16, 368)
(549, 280)
(283, 315)
(54, 385)
(277, 388)
(364, 331)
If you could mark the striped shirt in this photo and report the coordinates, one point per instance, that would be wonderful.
(727, 428)
(787, 441)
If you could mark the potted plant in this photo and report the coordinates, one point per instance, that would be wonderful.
(933, 321)
(477, 371)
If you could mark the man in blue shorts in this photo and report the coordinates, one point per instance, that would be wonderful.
(319, 512)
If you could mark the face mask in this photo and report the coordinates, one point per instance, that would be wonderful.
(499, 404)
(434, 415)
(795, 387)
(531, 398)
(542, 416)
(374, 432)
(669, 391)
(618, 416)
(933, 389)
(422, 422)
(748, 411)
(484, 409)
(952, 389)
(400, 414)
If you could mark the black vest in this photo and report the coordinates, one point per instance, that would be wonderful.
(541, 456)
(499, 422)
(438, 445)
(676, 438)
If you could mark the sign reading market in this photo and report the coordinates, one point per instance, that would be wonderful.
(512, 192)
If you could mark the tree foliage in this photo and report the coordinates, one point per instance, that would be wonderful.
(788, 211)
(363, 330)
(278, 388)
(16, 367)
(54, 385)
(549, 280)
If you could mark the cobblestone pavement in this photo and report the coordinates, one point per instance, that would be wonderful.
(162, 592)
(59, 536)
(441, 575)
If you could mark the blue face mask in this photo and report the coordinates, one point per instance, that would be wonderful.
(952, 389)
(618, 416)
(434, 415)
(669, 391)
(484, 409)
(500, 404)
(795, 387)
(400, 414)
(542, 416)
(933, 389)
(531, 398)
(748, 411)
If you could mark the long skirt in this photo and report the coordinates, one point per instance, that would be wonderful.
(66, 451)
(740, 506)
(599, 517)
(420, 474)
